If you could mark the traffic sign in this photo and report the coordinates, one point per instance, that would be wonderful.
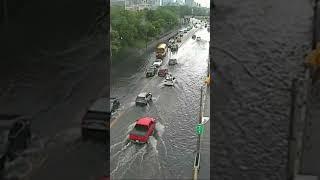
(199, 128)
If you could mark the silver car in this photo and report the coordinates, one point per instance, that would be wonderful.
(143, 98)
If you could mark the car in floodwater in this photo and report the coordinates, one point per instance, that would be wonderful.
(143, 129)
(179, 39)
(194, 36)
(171, 42)
(157, 63)
(143, 98)
(169, 80)
(114, 104)
(172, 61)
(174, 48)
(163, 72)
(198, 38)
(151, 71)
(96, 120)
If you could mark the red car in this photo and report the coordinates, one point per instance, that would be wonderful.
(142, 130)
(162, 72)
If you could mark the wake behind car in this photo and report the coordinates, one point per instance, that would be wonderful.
(95, 121)
(151, 71)
(157, 63)
(142, 130)
(143, 98)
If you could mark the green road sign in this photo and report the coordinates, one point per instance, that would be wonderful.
(199, 128)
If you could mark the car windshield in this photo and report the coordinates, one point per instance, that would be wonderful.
(140, 99)
(141, 128)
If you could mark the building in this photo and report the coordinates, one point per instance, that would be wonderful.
(195, 4)
(168, 2)
(138, 5)
(180, 2)
(189, 2)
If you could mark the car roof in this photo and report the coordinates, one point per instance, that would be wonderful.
(143, 94)
(100, 105)
(144, 121)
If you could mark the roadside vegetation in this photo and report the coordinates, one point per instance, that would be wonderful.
(135, 28)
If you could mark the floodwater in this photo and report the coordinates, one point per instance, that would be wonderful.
(170, 152)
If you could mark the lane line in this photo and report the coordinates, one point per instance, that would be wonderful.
(116, 119)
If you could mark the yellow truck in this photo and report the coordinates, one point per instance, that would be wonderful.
(161, 50)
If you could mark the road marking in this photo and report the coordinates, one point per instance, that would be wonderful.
(116, 119)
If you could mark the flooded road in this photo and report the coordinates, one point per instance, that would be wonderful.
(170, 153)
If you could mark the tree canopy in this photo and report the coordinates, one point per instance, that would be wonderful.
(130, 27)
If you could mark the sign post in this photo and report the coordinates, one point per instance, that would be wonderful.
(200, 129)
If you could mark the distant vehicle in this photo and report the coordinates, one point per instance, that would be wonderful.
(181, 35)
(143, 98)
(185, 31)
(169, 80)
(151, 71)
(174, 48)
(161, 50)
(205, 25)
(173, 61)
(198, 38)
(142, 130)
(170, 43)
(162, 72)
(194, 36)
(181, 31)
(189, 28)
(171, 40)
(179, 39)
(96, 120)
(157, 63)
(114, 104)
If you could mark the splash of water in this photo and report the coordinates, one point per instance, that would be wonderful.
(159, 129)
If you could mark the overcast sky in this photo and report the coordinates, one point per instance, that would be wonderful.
(204, 3)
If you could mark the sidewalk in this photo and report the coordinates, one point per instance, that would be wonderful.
(310, 156)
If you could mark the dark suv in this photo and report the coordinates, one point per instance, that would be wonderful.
(15, 136)
(96, 120)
